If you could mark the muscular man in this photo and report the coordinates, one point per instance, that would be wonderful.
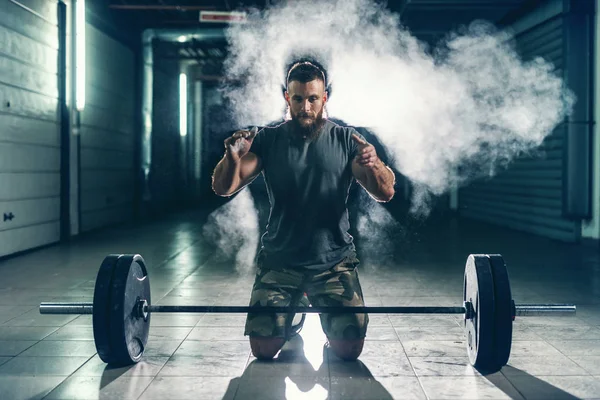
(308, 165)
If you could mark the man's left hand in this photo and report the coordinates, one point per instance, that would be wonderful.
(366, 156)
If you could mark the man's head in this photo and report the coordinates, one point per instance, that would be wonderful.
(306, 97)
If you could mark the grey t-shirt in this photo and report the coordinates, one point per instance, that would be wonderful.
(308, 184)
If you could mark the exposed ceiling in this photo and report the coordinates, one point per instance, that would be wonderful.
(427, 19)
(421, 16)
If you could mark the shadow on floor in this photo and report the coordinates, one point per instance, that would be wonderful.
(527, 385)
(291, 372)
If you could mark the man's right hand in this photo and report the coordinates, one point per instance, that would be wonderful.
(238, 145)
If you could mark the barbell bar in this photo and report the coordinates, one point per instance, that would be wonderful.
(520, 310)
(122, 310)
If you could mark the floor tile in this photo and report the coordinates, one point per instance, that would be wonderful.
(379, 388)
(14, 347)
(161, 348)
(173, 320)
(9, 312)
(225, 348)
(552, 321)
(191, 388)
(577, 347)
(95, 387)
(428, 333)
(556, 387)
(169, 333)
(402, 321)
(42, 365)
(524, 333)
(203, 366)
(532, 347)
(590, 363)
(222, 320)
(277, 388)
(542, 365)
(434, 348)
(443, 366)
(469, 387)
(570, 332)
(72, 332)
(379, 320)
(366, 366)
(286, 366)
(392, 348)
(385, 333)
(67, 348)
(217, 333)
(148, 366)
(28, 387)
(82, 320)
(25, 332)
(422, 301)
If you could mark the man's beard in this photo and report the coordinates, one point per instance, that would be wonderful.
(310, 131)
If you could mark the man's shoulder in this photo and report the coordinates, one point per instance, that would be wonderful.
(274, 128)
(340, 130)
(337, 127)
(267, 134)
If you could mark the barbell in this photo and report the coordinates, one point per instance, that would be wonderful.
(122, 308)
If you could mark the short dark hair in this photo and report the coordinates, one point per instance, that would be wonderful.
(304, 72)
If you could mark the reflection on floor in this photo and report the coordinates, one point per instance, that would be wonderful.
(206, 356)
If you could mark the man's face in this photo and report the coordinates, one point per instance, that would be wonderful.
(306, 101)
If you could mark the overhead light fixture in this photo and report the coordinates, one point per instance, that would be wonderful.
(80, 54)
(182, 39)
(182, 104)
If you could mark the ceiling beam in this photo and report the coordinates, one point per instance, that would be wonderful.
(157, 7)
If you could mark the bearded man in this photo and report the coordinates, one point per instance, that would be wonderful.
(308, 164)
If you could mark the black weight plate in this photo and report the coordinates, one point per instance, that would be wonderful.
(503, 303)
(129, 332)
(479, 290)
(100, 316)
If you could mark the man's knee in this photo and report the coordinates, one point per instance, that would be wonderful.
(347, 350)
(265, 348)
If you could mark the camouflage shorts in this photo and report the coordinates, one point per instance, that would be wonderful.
(338, 286)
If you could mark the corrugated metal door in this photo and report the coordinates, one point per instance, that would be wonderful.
(528, 195)
(29, 126)
(107, 132)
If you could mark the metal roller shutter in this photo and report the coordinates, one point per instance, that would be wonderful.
(107, 133)
(29, 127)
(528, 195)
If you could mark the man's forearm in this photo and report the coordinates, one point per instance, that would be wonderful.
(226, 176)
(379, 181)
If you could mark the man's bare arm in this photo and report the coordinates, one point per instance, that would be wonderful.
(238, 167)
(377, 180)
(231, 176)
(372, 174)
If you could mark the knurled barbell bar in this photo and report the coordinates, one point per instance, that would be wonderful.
(121, 310)
(143, 309)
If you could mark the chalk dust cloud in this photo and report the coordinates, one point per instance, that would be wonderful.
(446, 114)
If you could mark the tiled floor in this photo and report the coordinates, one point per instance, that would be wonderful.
(205, 356)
